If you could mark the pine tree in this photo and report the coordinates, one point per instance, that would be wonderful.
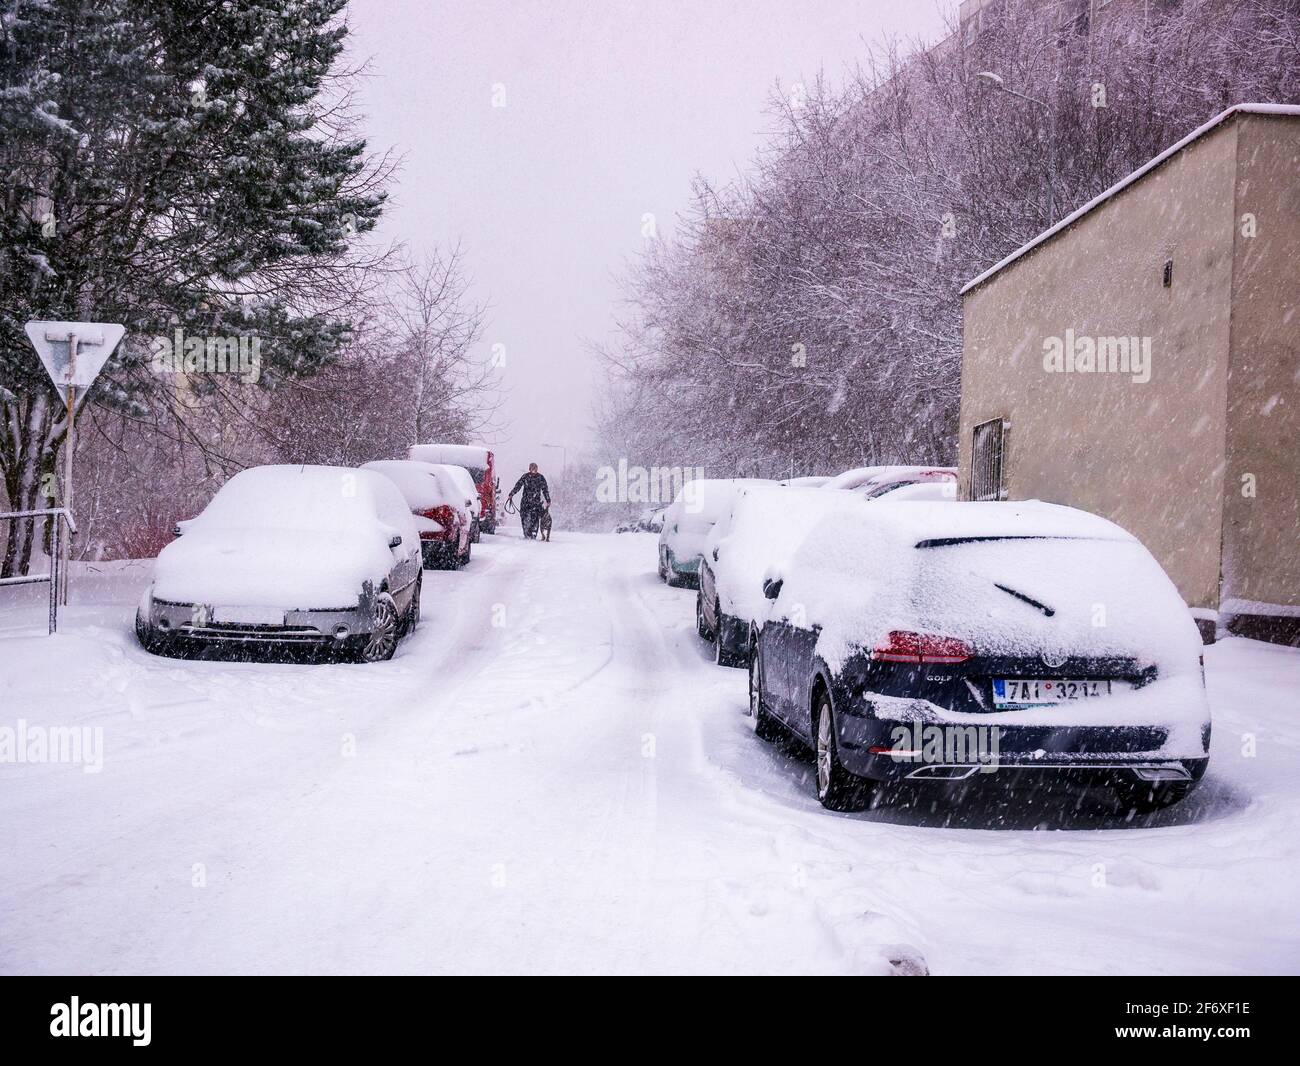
(168, 164)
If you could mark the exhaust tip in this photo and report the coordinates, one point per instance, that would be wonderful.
(937, 772)
(1161, 773)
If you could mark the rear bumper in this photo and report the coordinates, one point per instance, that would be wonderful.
(684, 568)
(192, 623)
(734, 632)
(884, 750)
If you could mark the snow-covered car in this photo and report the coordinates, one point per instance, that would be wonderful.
(439, 507)
(687, 522)
(764, 523)
(481, 464)
(933, 491)
(473, 504)
(808, 482)
(877, 480)
(942, 640)
(289, 555)
(649, 521)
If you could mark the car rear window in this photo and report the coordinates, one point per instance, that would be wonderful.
(1104, 593)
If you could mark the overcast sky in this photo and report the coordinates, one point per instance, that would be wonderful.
(610, 108)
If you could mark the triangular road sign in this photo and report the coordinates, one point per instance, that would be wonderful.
(74, 365)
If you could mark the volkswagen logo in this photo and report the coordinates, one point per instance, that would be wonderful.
(1052, 660)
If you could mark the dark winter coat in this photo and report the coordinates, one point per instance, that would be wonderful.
(534, 488)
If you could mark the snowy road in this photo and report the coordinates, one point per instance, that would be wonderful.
(551, 776)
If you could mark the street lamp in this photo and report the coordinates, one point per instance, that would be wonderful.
(564, 458)
(996, 81)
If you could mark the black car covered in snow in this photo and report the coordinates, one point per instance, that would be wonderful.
(935, 641)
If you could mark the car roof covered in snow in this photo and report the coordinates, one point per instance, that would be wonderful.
(423, 485)
(464, 481)
(974, 571)
(878, 475)
(467, 455)
(914, 522)
(289, 495)
(710, 495)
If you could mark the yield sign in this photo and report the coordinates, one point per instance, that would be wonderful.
(74, 352)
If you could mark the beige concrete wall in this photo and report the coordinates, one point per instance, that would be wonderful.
(1261, 534)
(1148, 456)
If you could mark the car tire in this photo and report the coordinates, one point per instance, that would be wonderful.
(663, 570)
(381, 643)
(459, 562)
(413, 611)
(475, 532)
(1145, 797)
(837, 789)
(701, 626)
(150, 639)
(762, 723)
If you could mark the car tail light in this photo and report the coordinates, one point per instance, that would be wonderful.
(442, 514)
(902, 646)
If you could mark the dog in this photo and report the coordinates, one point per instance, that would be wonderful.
(545, 524)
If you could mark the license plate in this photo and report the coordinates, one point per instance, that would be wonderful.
(1037, 691)
(248, 616)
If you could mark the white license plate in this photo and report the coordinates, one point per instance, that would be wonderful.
(1038, 691)
(248, 616)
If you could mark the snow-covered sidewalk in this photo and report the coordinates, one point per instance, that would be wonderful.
(551, 777)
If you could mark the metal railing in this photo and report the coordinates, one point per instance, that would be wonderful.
(55, 576)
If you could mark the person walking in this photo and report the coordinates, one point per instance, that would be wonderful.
(534, 488)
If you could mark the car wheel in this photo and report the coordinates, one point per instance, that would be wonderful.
(464, 559)
(476, 532)
(1144, 797)
(413, 611)
(663, 569)
(762, 723)
(837, 789)
(381, 642)
(701, 626)
(150, 639)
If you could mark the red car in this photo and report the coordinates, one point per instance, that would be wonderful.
(437, 502)
(478, 461)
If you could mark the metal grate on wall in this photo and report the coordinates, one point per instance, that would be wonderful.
(988, 451)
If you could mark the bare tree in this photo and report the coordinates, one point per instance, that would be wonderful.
(808, 317)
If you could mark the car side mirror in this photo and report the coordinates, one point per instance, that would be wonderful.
(395, 541)
(772, 588)
(715, 555)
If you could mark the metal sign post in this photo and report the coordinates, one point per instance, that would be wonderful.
(73, 354)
